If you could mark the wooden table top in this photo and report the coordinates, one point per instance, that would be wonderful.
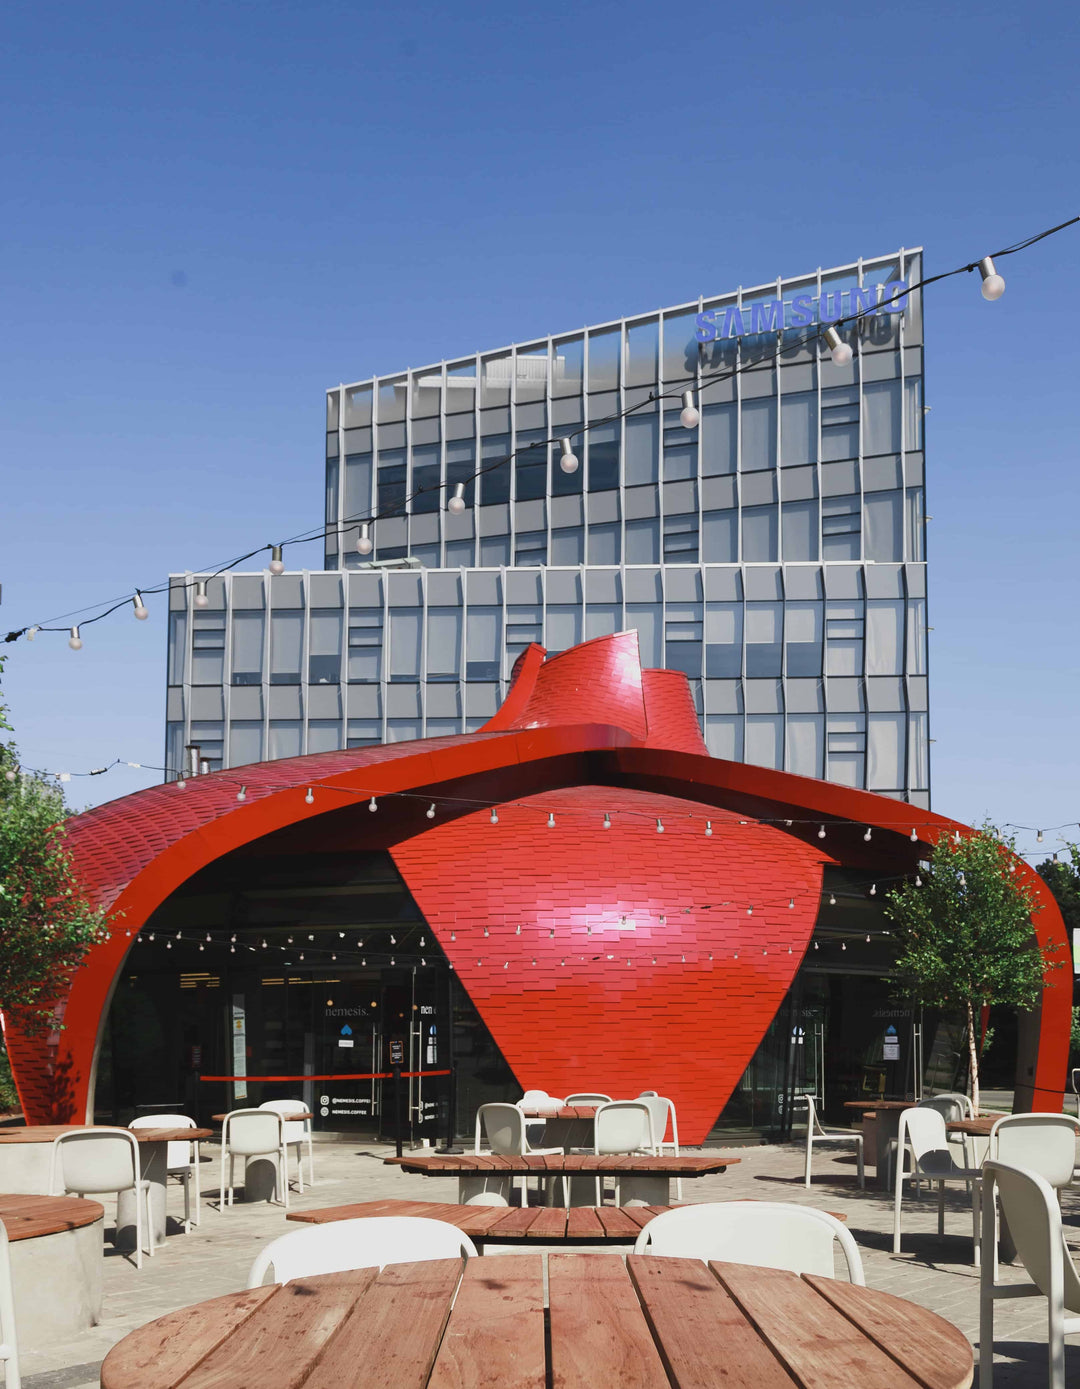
(879, 1104)
(974, 1128)
(45, 1133)
(289, 1118)
(603, 1322)
(564, 1111)
(469, 1164)
(27, 1217)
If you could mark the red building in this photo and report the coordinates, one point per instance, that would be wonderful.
(576, 897)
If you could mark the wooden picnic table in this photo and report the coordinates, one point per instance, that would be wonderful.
(644, 1178)
(646, 1323)
(289, 1118)
(566, 1126)
(54, 1244)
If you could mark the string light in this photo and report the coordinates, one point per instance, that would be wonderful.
(241, 795)
(365, 544)
(373, 805)
(873, 889)
(913, 836)
(430, 812)
(551, 820)
(607, 821)
(277, 564)
(791, 904)
(708, 827)
(688, 416)
(659, 826)
(456, 504)
(567, 457)
(868, 835)
(993, 286)
(821, 832)
(832, 899)
(201, 600)
(75, 641)
(142, 612)
(494, 816)
(310, 797)
(840, 350)
(1038, 836)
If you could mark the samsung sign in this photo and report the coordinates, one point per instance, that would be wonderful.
(775, 315)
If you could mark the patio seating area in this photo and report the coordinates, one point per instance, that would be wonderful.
(353, 1179)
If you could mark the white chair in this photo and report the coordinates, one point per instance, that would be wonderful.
(9, 1343)
(953, 1106)
(621, 1126)
(97, 1161)
(487, 1198)
(540, 1102)
(1029, 1204)
(588, 1099)
(816, 1132)
(1042, 1143)
(181, 1159)
(922, 1131)
(663, 1112)
(771, 1234)
(370, 1242)
(297, 1133)
(1074, 1082)
(249, 1133)
(504, 1127)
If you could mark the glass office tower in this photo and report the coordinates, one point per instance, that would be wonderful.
(775, 553)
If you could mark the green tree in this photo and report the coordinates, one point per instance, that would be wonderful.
(965, 933)
(1062, 877)
(46, 922)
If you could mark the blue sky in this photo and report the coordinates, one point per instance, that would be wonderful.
(211, 212)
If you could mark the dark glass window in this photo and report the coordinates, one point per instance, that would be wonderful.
(763, 658)
(425, 481)
(604, 458)
(391, 488)
(495, 484)
(804, 658)
(530, 466)
(684, 656)
(723, 661)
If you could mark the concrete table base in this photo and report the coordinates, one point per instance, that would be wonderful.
(57, 1280)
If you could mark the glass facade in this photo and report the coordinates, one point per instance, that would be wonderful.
(775, 553)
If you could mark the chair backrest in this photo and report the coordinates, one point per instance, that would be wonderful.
(951, 1107)
(621, 1126)
(1074, 1076)
(94, 1160)
(588, 1099)
(659, 1110)
(813, 1123)
(539, 1101)
(295, 1129)
(768, 1233)
(9, 1342)
(648, 1094)
(178, 1155)
(926, 1134)
(1042, 1143)
(1029, 1205)
(504, 1126)
(249, 1132)
(487, 1198)
(370, 1242)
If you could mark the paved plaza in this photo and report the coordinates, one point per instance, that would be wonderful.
(935, 1272)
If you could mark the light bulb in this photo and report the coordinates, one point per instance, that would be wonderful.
(494, 816)
(241, 795)
(31, 633)
(373, 804)
(11, 773)
(365, 544)
(75, 642)
(430, 812)
(914, 837)
(918, 880)
(708, 827)
(142, 612)
(567, 457)
(963, 880)
(310, 797)
(993, 286)
(749, 911)
(821, 832)
(201, 600)
(456, 504)
(659, 826)
(1038, 833)
(276, 565)
(791, 904)
(840, 350)
(551, 820)
(832, 899)
(869, 834)
(843, 945)
(181, 784)
(688, 416)
(816, 945)
(868, 940)
(873, 889)
(607, 821)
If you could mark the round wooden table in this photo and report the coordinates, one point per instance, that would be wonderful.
(26, 1162)
(54, 1243)
(886, 1117)
(603, 1321)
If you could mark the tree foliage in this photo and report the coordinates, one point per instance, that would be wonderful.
(965, 933)
(46, 922)
(1063, 880)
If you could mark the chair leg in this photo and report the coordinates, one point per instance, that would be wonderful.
(941, 1208)
(198, 1186)
(150, 1243)
(986, 1337)
(1056, 1347)
(862, 1165)
(285, 1173)
(186, 1179)
(896, 1207)
(310, 1161)
(809, 1152)
(138, 1227)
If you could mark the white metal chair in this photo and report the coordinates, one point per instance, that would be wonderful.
(504, 1127)
(542, 1102)
(588, 1099)
(297, 1133)
(369, 1242)
(9, 1341)
(816, 1132)
(922, 1131)
(1042, 1143)
(621, 1126)
(249, 1133)
(772, 1234)
(97, 1161)
(662, 1112)
(1029, 1204)
(953, 1106)
(181, 1159)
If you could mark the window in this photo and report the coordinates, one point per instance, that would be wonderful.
(495, 484)
(286, 647)
(758, 434)
(391, 478)
(208, 648)
(884, 638)
(247, 650)
(324, 655)
(840, 528)
(531, 548)
(884, 520)
(444, 643)
(642, 542)
(605, 353)
(881, 417)
(724, 640)
(603, 457)
(285, 737)
(245, 742)
(681, 539)
(720, 537)
(568, 546)
(177, 647)
(324, 735)
(840, 422)
(800, 530)
(604, 544)
(563, 626)
(804, 632)
(642, 448)
(642, 352)
(365, 645)
(764, 628)
(405, 644)
(798, 428)
(483, 643)
(719, 439)
(425, 480)
(530, 465)
(759, 538)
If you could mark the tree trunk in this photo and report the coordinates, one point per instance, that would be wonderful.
(973, 1059)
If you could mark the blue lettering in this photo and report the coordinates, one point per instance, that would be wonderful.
(733, 316)
(897, 287)
(768, 317)
(706, 326)
(831, 307)
(802, 307)
(864, 300)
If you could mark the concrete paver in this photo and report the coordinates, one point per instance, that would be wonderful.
(935, 1272)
